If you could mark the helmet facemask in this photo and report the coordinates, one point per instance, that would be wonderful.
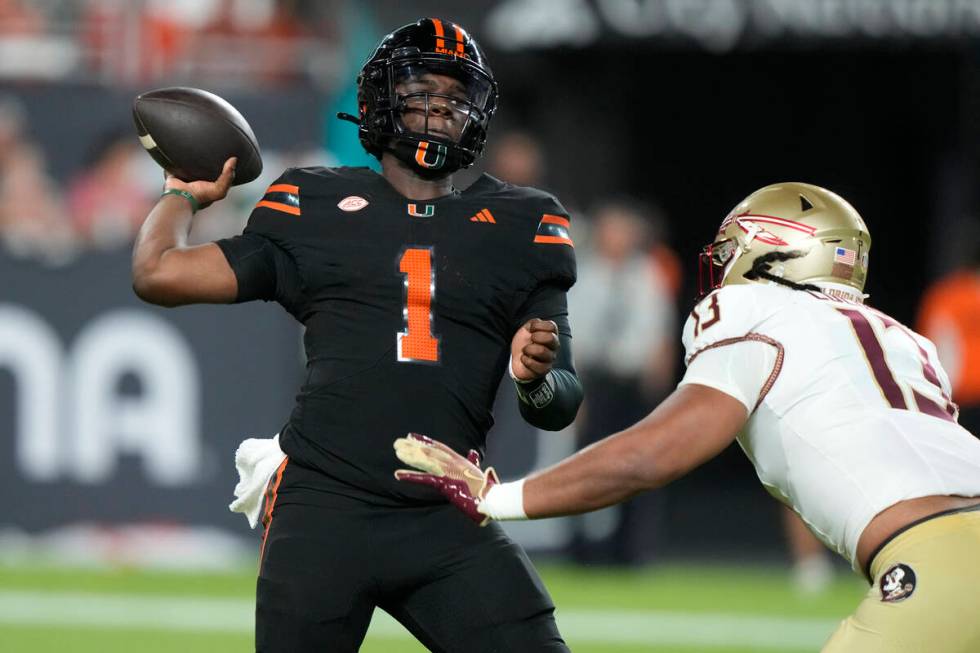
(439, 116)
(426, 95)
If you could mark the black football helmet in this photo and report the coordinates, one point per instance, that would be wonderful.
(393, 81)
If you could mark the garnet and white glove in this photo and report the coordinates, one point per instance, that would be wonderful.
(459, 479)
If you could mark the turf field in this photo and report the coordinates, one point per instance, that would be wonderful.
(682, 609)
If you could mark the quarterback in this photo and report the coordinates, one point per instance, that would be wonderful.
(844, 412)
(416, 296)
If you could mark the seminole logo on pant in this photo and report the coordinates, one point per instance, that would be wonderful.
(897, 584)
(422, 155)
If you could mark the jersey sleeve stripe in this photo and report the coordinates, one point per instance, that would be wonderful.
(553, 230)
(758, 337)
(279, 206)
(282, 188)
(554, 240)
(555, 219)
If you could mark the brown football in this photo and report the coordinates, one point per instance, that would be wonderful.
(191, 133)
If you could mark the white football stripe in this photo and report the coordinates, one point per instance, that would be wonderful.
(199, 614)
(148, 141)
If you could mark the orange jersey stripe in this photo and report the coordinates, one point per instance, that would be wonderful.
(488, 216)
(555, 219)
(440, 33)
(270, 504)
(279, 206)
(554, 240)
(282, 188)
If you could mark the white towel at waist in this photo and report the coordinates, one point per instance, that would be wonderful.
(256, 460)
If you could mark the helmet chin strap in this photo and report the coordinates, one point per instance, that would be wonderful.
(430, 159)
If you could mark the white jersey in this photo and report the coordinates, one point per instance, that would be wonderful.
(849, 409)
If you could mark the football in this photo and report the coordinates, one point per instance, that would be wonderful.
(191, 133)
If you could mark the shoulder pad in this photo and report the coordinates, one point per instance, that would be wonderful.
(553, 252)
(729, 313)
(283, 194)
(280, 208)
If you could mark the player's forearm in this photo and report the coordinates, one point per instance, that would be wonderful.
(165, 228)
(601, 475)
(690, 427)
(552, 403)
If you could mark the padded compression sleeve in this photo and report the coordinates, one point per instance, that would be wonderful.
(551, 402)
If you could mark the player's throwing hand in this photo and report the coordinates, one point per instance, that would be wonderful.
(205, 192)
(459, 479)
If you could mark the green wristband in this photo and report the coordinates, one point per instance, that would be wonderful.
(187, 196)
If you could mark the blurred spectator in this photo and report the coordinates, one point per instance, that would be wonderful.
(950, 316)
(32, 215)
(107, 200)
(517, 157)
(623, 321)
(20, 18)
(264, 37)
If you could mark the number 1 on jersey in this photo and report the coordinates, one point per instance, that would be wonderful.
(417, 344)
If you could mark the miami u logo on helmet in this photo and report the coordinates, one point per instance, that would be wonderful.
(423, 151)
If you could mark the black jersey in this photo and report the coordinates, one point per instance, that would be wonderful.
(409, 309)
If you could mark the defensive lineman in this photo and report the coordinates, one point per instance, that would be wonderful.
(844, 412)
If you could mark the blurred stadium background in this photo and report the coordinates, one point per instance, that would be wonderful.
(648, 118)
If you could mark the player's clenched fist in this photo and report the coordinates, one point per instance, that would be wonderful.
(533, 349)
(459, 479)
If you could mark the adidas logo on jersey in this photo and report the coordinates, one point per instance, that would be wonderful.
(483, 216)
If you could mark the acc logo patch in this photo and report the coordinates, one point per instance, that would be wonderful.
(352, 203)
(897, 584)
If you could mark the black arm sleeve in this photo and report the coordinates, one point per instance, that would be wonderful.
(551, 402)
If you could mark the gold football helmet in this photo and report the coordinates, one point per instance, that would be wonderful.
(792, 233)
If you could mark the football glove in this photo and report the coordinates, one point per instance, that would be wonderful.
(459, 479)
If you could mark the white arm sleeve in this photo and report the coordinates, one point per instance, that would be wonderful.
(742, 369)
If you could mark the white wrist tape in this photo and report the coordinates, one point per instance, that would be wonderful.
(510, 371)
(504, 502)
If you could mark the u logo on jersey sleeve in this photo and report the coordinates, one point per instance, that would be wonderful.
(553, 230)
(281, 197)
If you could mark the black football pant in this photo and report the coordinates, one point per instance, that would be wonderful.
(328, 561)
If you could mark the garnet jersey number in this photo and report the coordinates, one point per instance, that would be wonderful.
(867, 323)
(417, 343)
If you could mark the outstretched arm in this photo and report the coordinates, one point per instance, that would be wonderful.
(692, 426)
(168, 272)
(689, 428)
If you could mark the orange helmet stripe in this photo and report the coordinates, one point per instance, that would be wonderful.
(460, 43)
(440, 33)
